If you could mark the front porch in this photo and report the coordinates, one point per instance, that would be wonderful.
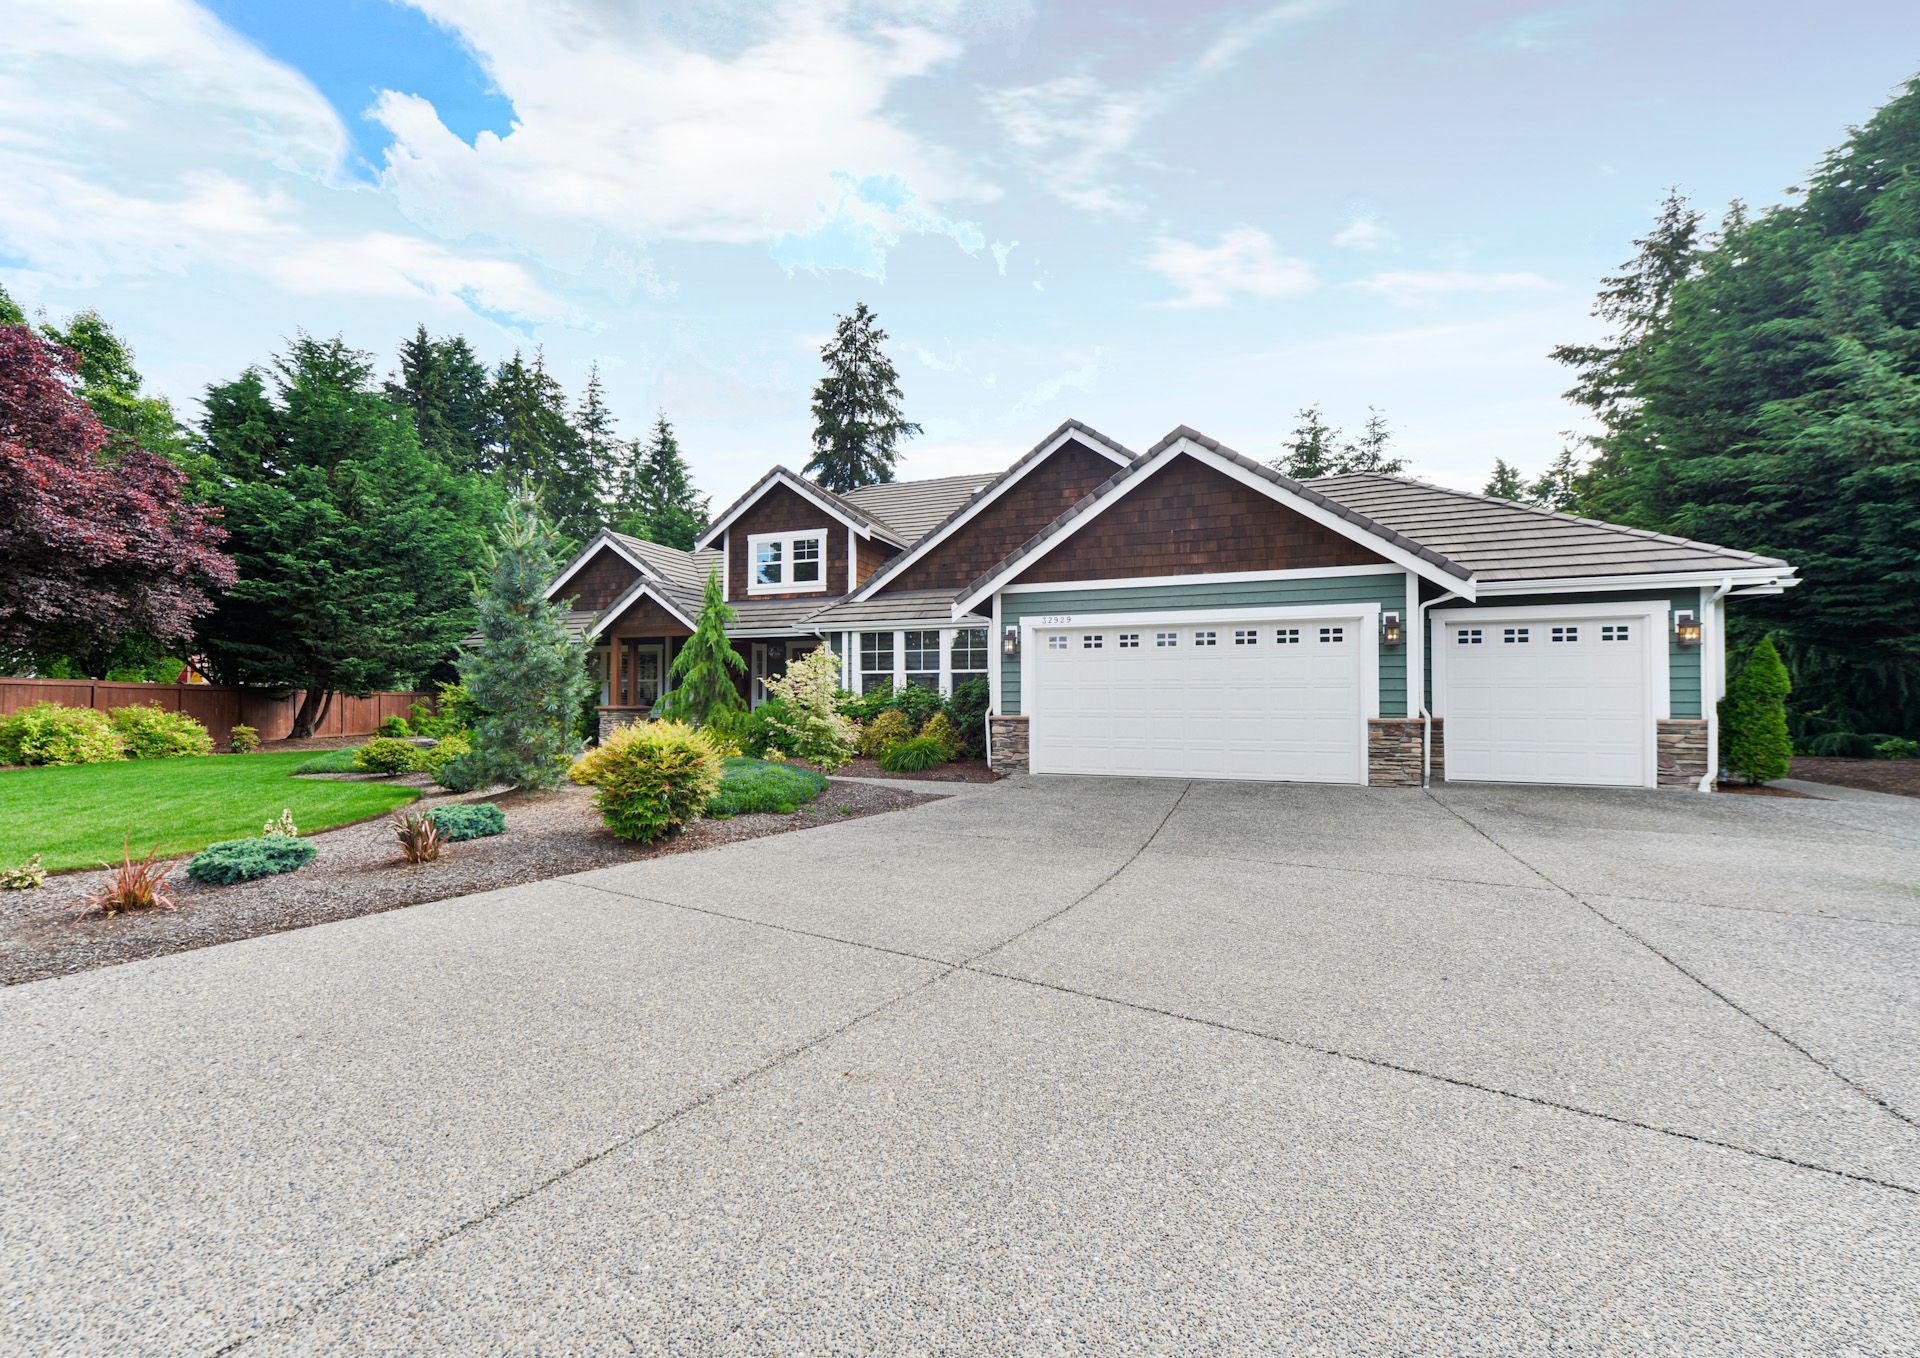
(635, 670)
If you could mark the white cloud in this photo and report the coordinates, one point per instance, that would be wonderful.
(624, 133)
(1414, 287)
(1364, 231)
(1241, 262)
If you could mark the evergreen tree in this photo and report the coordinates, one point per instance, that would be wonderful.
(856, 408)
(600, 445)
(703, 670)
(526, 673)
(1311, 451)
(354, 546)
(445, 387)
(1753, 717)
(1559, 486)
(536, 444)
(1368, 453)
(1506, 482)
(656, 499)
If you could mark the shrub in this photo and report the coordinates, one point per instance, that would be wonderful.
(152, 732)
(330, 761)
(763, 733)
(242, 860)
(284, 827)
(886, 728)
(49, 733)
(822, 734)
(916, 700)
(1753, 718)
(444, 751)
(750, 785)
(940, 727)
(967, 710)
(729, 725)
(911, 756)
(1842, 745)
(243, 740)
(1894, 747)
(462, 773)
(394, 728)
(467, 820)
(136, 884)
(23, 877)
(651, 778)
(420, 839)
(387, 755)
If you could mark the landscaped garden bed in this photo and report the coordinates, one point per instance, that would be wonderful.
(1898, 776)
(358, 871)
(954, 771)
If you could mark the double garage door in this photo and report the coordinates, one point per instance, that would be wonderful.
(1277, 700)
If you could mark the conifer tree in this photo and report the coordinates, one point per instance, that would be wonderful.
(703, 670)
(1310, 450)
(526, 674)
(1368, 453)
(656, 499)
(857, 422)
(444, 386)
(1558, 487)
(1753, 717)
(536, 444)
(599, 443)
(1506, 482)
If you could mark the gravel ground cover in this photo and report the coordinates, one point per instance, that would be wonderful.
(360, 872)
(1898, 776)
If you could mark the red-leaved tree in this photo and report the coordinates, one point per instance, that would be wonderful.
(97, 537)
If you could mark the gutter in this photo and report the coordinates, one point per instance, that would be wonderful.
(1426, 697)
(1710, 692)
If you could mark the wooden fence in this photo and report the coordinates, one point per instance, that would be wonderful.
(215, 706)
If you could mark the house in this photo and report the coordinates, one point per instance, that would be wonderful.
(1190, 612)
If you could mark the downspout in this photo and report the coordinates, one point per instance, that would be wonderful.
(1710, 690)
(1426, 694)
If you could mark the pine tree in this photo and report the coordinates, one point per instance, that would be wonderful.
(703, 670)
(857, 421)
(536, 444)
(599, 443)
(445, 387)
(1311, 451)
(1753, 717)
(656, 498)
(526, 673)
(1368, 453)
(1558, 487)
(1506, 482)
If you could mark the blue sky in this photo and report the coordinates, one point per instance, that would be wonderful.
(1136, 215)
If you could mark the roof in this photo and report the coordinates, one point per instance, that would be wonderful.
(1501, 540)
(685, 572)
(760, 615)
(912, 509)
(575, 620)
(851, 512)
(907, 605)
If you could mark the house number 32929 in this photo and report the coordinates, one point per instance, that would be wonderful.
(1055, 620)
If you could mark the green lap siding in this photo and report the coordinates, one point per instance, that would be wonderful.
(1683, 662)
(1389, 590)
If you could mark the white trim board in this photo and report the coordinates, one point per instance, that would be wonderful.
(980, 502)
(1215, 578)
(1608, 584)
(1142, 473)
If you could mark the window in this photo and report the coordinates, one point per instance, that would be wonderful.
(969, 654)
(1468, 636)
(787, 562)
(876, 662)
(1246, 636)
(1286, 636)
(1203, 638)
(1057, 642)
(1092, 641)
(1517, 636)
(1332, 635)
(1129, 641)
(922, 650)
(1166, 639)
(1566, 634)
(1615, 631)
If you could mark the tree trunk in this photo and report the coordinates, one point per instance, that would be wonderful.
(312, 710)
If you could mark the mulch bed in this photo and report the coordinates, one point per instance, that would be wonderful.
(360, 872)
(958, 771)
(1763, 790)
(1898, 776)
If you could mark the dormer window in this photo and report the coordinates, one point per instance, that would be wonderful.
(787, 563)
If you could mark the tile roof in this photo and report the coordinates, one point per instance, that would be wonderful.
(755, 615)
(912, 509)
(907, 605)
(684, 572)
(1501, 541)
(839, 502)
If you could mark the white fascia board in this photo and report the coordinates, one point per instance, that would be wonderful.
(602, 539)
(626, 601)
(1187, 617)
(932, 540)
(783, 477)
(1405, 560)
(1607, 584)
(1215, 578)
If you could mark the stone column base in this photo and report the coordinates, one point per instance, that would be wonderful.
(1394, 751)
(1007, 743)
(1680, 748)
(1438, 770)
(613, 718)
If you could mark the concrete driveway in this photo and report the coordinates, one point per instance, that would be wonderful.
(1051, 1067)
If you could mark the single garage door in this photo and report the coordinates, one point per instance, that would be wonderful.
(1548, 700)
(1271, 700)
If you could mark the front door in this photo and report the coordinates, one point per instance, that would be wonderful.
(769, 662)
(641, 669)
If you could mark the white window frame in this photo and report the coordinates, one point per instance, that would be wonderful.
(858, 670)
(786, 541)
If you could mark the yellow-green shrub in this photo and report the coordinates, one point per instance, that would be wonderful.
(886, 728)
(152, 732)
(939, 727)
(385, 754)
(51, 733)
(650, 778)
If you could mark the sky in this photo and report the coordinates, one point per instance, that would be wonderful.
(1136, 215)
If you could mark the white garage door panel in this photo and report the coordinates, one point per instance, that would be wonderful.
(1268, 709)
(1548, 700)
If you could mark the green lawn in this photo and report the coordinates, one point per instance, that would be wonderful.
(74, 817)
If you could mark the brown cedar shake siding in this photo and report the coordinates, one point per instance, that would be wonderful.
(1036, 500)
(1188, 519)
(873, 555)
(782, 510)
(645, 618)
(600, 581)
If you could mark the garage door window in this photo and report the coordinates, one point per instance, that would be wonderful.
(1129, 641)
(1517, 636)
(1467, 636)
(1092, 641)
(1166, 639)
(1332, 635)
(1246, 636)
(1204, 638)
(1566, 634)
(1286, 636)
(1614, 632)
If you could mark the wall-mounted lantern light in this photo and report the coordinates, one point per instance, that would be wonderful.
(1391, 633)
(1686, 628)
(1010, 641)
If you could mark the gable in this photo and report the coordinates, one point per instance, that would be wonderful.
(782, 509)
(1040, 496)
(644, 617)
(605, 577)
(1186, 518)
